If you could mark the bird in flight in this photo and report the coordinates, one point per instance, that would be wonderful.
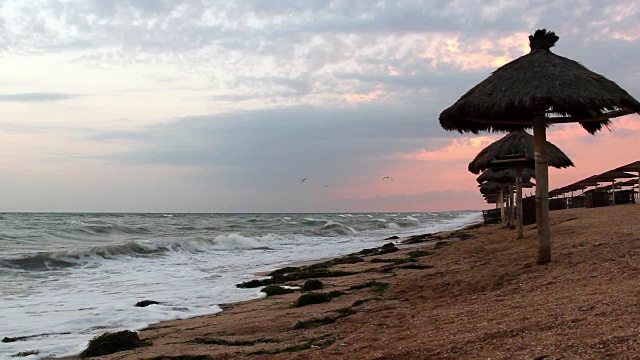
(326, 186)
(303, 180)
(387, 177)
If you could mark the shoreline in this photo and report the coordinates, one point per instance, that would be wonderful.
(403, 242)
(465, 293)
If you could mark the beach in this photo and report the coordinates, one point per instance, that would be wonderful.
(470, 293)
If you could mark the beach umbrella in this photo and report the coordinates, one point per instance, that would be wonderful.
(533, 91)
(521, 144)
(497, 189)
(516, 143)
(505, 175)
(508, 176)
(501, 183)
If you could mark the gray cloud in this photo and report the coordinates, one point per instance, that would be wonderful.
(258, 147)
(37, 97)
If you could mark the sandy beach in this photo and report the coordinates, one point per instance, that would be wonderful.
(468, 294)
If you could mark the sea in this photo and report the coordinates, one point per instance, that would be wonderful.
(68, 277)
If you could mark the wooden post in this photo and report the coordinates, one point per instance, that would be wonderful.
(542, 189)
(508, 203)
(501, 198)
(506, 206)
(638, 198)
(512, 209)
(572, 199)
(613, 191)
(519, 201)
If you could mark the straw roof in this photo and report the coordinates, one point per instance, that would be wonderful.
(536, 83)
(507, 175)
(493, 187)
(516, 142)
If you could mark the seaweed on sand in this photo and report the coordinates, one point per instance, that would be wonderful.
(109, 343)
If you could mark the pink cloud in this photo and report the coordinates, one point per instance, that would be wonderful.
(462, 148)
(370, 96)
(445, 170)
(479, 54)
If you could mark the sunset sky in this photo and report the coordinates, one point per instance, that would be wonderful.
(224, 106)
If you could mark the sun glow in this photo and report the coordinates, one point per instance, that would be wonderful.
(465, 148)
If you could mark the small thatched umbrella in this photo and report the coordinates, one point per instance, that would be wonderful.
(517, 143)
(505, 175)
(500, 184)
(512, 178)
(492, 187)
(535, 90)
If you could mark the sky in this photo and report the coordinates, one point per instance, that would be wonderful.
(225, 106)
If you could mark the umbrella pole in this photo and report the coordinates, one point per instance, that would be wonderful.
(519, 201)
(542, 189)
(512, 208)
(507, 191)
(502, 206)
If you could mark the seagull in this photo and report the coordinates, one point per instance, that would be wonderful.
(303, 180)
(387, 177)
(326, 186)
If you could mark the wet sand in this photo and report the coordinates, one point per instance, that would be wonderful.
(476, 294)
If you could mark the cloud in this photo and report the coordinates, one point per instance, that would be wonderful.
(37, 97)
(265, 146)
(252, 95)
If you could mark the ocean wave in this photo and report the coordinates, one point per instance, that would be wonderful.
(237, 241)
(337, 228)
(313, 222)
(107, 228)
(394, 226)
(71, 258)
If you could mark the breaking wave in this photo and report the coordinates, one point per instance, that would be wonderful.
(71, 258)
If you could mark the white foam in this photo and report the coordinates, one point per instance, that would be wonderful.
(393, 226)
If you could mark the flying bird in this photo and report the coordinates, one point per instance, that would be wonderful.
(326, 186)
(303, 180)
(387, 177)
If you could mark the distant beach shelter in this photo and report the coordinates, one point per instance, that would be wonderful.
(510, 181)
(634, 167)
(535, 90)
(516, 145)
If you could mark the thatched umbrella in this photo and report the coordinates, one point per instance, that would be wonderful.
(517, 143)
(505, 175)
(535, 90)
(512, 178)
(500, 184)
